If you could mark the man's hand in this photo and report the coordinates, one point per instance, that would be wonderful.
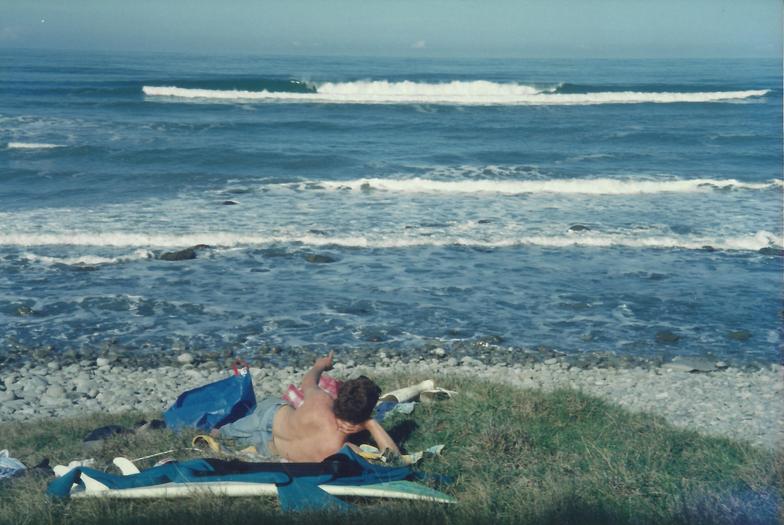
(324, 363)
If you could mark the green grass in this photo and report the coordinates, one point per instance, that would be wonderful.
(516, 456)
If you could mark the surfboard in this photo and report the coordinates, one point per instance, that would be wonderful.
(403, 489)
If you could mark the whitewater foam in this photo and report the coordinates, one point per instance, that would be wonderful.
(86, 260)
(602, 186)
(750, 242)
(473, 93)
(32, 145)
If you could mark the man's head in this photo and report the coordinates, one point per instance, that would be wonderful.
(356, 400)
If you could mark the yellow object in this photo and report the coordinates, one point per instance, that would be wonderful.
(203, 439)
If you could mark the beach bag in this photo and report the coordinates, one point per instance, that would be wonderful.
(215, 404)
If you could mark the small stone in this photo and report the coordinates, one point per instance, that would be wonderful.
(7, 395)
(662, 395)
(551, 361)
(691, 364)
(721, 365)
(439, 352)
(102, 361)
(185, 358)
(55, 392)
(53, 365)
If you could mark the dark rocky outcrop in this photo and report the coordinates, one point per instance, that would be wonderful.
(229, 203)
(182, 255)
(768, 250)
(579, 228)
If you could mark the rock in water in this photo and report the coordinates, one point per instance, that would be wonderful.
(667, 337)
(579, 228)
(230, 203)
(185, 359)
(317, 258)
(182, 255)
(771, 251)
(739, 335)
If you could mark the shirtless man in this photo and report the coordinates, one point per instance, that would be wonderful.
(318, 428)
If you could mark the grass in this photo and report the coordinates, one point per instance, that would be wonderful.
(516, 456)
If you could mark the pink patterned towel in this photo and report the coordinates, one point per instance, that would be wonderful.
(295, 397)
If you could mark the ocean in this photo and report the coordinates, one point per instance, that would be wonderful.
(626, 206)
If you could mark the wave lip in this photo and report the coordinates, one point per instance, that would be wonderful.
(464, 93)
(32, 145)
(602, 186)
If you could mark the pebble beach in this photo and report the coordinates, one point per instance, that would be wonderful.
(712, 398)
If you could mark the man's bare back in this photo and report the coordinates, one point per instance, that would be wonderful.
(309, 433)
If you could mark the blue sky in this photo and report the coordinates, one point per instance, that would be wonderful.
(492, 28)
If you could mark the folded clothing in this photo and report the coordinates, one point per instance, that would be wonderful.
(295, 396)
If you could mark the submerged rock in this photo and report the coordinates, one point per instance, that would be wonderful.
(317, 258)
(229, 203)
(667, 337)
(739, 335)
(768, 250)
(579, 228)
(24, 311)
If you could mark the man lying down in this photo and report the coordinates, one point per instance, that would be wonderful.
(318, 428)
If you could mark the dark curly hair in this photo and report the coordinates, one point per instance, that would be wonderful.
(356, 400)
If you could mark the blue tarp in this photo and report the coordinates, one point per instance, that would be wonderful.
(298, 488)
(213, 405)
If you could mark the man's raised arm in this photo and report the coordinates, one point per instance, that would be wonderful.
(311, 379)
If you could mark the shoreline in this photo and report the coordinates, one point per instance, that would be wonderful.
(727, 401)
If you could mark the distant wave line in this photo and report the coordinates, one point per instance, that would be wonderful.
(750, 242)
(602, 186)
(32, 145)
(473, 93)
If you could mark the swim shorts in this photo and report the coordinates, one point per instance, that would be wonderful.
(255, 428)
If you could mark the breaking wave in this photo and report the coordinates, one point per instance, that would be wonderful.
(750, 242)
(566, 186)
(32, 145)
(463, 93)
(86, 260)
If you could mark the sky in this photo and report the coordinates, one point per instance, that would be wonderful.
(436, 28)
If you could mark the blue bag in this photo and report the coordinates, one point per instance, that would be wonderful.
(213, 405)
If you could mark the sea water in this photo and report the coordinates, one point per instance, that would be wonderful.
(632, 206)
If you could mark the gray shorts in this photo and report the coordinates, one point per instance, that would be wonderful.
(255, 428)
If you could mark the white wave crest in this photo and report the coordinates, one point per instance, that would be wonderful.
(750, 242)
(566, 186)
(474, 93)
(86, 260)
(32, 145)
